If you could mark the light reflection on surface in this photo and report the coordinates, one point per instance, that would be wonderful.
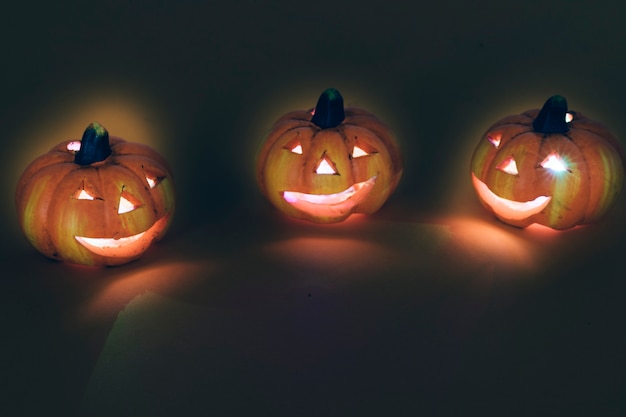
(174, 277)
(331, 256)
(484, 242)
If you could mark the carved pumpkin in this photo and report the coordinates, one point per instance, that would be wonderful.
(552, 167)
(327, 163)
(97, 201)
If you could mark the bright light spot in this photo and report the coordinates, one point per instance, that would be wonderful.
(294, 146)
(152, 182)
(569, 117)
(509, 166)
(495, 139)
(73, 146)
(329, 199)
(83, 195)
(554, 163)
(358, 152)
(126, 203)
(325, 167)
(108, 242)
(509, 209)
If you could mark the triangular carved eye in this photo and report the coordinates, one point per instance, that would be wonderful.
(128, 203)
(508, 165)
(294, 146)
(555, 163)
(495, 139)
(325, 166)
(152, 178)
(362, 149)
(86, 192)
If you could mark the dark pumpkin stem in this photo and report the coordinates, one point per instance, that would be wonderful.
(551, 118)
(94, 146)
(329, 110)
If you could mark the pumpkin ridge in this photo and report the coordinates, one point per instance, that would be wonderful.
(506, 126)
(56, 192)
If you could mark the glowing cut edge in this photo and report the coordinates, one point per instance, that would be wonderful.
(554, 163)
(74, 146)
(100, 242)
(328, 199)
(358, 152)
(509, 166)
(509, 209)
(324, 168)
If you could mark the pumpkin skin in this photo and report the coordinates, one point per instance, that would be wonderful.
(96, 210)
(540, 167)
(327, 163)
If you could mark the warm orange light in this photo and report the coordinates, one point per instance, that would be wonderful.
(83, 195)
(509, 166)
(123, 247)
(495, 139)
(325, 167)
(486, 243)
(73, 146)
(330, 204)
(509, 209)
(555, 163)
(128, 203)
(170, 278)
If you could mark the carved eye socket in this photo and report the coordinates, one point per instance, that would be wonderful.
(362, 149)
(495, 139)
(294, 146)
(508, 165)
(555, 163)
(326, 166)
(86, 192)
(127, 203)
(152, 178)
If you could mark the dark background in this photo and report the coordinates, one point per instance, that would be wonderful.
(428, 307)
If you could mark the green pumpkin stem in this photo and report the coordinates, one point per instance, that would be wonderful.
(551, 118)
(94, 146)
(329, 110)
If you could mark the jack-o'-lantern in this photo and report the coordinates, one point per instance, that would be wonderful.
(97, 201)
(552, 167)
(327, 163)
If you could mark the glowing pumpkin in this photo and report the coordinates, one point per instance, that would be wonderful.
(97, 201)
(327, 163)
(552, 167)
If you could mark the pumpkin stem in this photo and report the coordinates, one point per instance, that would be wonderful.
(551, 118)
(94, 146)
(329, 110)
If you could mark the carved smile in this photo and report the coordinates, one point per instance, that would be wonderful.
(329, 205)
(123, 247)
(509, 209)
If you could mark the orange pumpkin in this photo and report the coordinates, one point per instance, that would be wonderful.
(327, 163)
(97, 201)
(553, 167)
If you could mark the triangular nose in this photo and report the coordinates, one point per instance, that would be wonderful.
(325, 166)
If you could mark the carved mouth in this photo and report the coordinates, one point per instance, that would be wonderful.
(123, 247)
(328, 205)
(509, 209)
